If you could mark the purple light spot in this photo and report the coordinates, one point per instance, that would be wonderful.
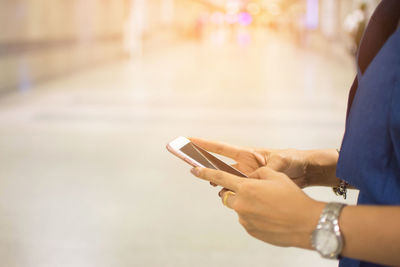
(245, 19)
(312, 14)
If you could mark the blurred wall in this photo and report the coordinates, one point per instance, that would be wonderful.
(43, 39)
(333, 14)
(40, 39)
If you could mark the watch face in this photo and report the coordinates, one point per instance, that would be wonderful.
(326, 242)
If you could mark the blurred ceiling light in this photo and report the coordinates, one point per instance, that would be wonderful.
(353, 20)
(231, 18)
(217, 18)
(273, 8)
(253, 8)
(233, 7)
(265, 19)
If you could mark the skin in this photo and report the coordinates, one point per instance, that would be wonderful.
(272, 207)
(305, 168)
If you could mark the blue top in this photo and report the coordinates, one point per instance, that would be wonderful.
(370, 153)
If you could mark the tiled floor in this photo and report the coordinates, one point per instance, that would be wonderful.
(85, 179)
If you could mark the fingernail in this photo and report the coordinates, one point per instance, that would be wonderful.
(195, 171)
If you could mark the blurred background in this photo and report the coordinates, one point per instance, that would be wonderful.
(92, 90)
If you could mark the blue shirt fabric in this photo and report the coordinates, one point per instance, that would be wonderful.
(370, 153)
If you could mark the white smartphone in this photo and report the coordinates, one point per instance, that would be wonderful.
(198, 157)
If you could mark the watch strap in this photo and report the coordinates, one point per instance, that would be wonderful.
(330, 216)
(332, 208)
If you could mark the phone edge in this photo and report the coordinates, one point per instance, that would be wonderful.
(185, 159)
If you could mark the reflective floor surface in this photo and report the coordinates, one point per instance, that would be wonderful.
(85, 179)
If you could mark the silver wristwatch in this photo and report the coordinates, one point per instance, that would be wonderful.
(326, 238)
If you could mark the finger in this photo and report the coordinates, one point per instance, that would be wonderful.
(228, 198)
(223, 190)
(211, 183)
(300, 182)
(217, 147)
(264, 173)
(240, 167)
(260, 158)
(222, 178)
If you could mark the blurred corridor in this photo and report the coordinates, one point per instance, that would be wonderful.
(85, 179)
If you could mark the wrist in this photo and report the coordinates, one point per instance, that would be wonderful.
(307, 225)
(321, 167)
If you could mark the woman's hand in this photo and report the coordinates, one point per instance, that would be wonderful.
(308, 167)
(289, 161)
(247, 159)
(275, 210)
(271, 207)
(294, 163)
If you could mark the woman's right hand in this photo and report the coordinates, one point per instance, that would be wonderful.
(292, 162)
(304, 167)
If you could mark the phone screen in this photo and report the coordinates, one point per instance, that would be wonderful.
(192, 152)
(208, 160)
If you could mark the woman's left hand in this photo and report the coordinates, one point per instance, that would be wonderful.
(271, 208)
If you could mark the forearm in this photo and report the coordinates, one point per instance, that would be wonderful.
(371, 233)
(321, 167)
